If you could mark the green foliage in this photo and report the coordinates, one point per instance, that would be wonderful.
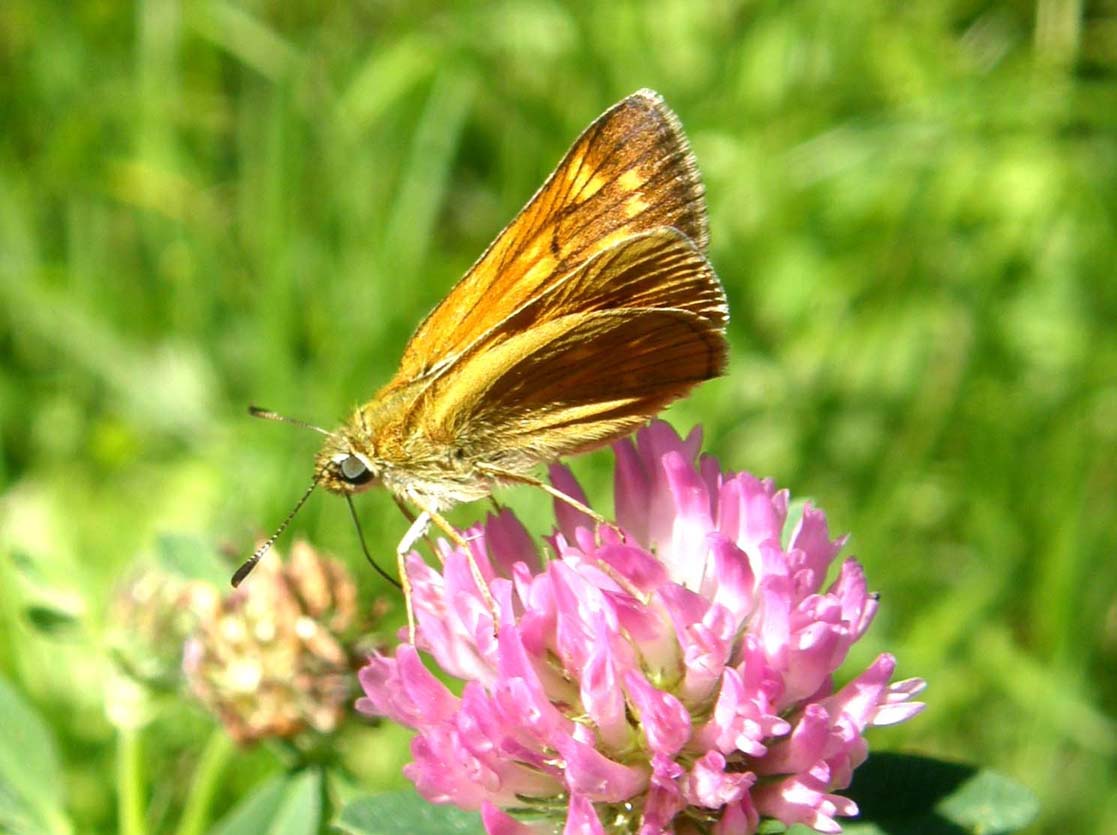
(213, 203)
(404, 813)
(30, 776)
(919, 796)
(284, 805)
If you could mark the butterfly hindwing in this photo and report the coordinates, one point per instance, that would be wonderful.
(634, 328)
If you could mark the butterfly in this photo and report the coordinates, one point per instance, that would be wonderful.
(590, 312)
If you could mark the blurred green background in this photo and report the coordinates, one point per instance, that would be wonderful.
(913, 209)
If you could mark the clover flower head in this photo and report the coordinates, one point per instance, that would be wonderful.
(273, 660)
(673, 673)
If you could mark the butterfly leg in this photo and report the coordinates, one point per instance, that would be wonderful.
(418, 529)
(410, 517)
(403, 508)
(452, 533)
(523, 478)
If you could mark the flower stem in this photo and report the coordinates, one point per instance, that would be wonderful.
(207, 774)
(130, 781)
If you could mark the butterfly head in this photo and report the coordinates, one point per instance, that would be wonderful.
(345, 467)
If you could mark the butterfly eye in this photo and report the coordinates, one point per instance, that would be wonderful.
(354, 470)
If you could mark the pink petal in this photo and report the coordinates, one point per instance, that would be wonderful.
(740, 818)
(508, 543)
(816, 653)
(707, 649)
(402, 689)
(750, 512)
(632, 490)
(663, 718)
(894, 706)
(581, 818)
(773, 619)
(803, 799)
(858, 700)
(579, 608)
(684, 551)
(569, 519)
(520, 695)
(811, 538)
(803, 748)
(640, 568)
(449, 612)
(732, 582)
(466, 783)
(603, 698)
(595, 776)
(658, 445)
(664, 798)
(709, 785)
(858, 605)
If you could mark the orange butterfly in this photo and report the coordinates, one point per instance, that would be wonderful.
(590, 312)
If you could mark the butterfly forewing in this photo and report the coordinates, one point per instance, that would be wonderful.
(630, 172)
(661, 268)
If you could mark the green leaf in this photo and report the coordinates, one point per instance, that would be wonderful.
(301, 810)
(405, 813)
(30, 778)
(913, 795)
(255, 812)
(991, 803)
(50, 621)
(863, 828)
(283, 805)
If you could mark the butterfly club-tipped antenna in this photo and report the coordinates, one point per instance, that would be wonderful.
(268, 414)
(250, 563)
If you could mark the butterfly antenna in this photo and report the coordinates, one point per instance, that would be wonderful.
(250, 563)
(268, 414)
(364, 548)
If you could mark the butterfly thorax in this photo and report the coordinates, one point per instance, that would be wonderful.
(386, 442)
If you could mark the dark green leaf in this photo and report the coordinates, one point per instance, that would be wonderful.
(920, 796)
(50, 620)
(405, 813)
